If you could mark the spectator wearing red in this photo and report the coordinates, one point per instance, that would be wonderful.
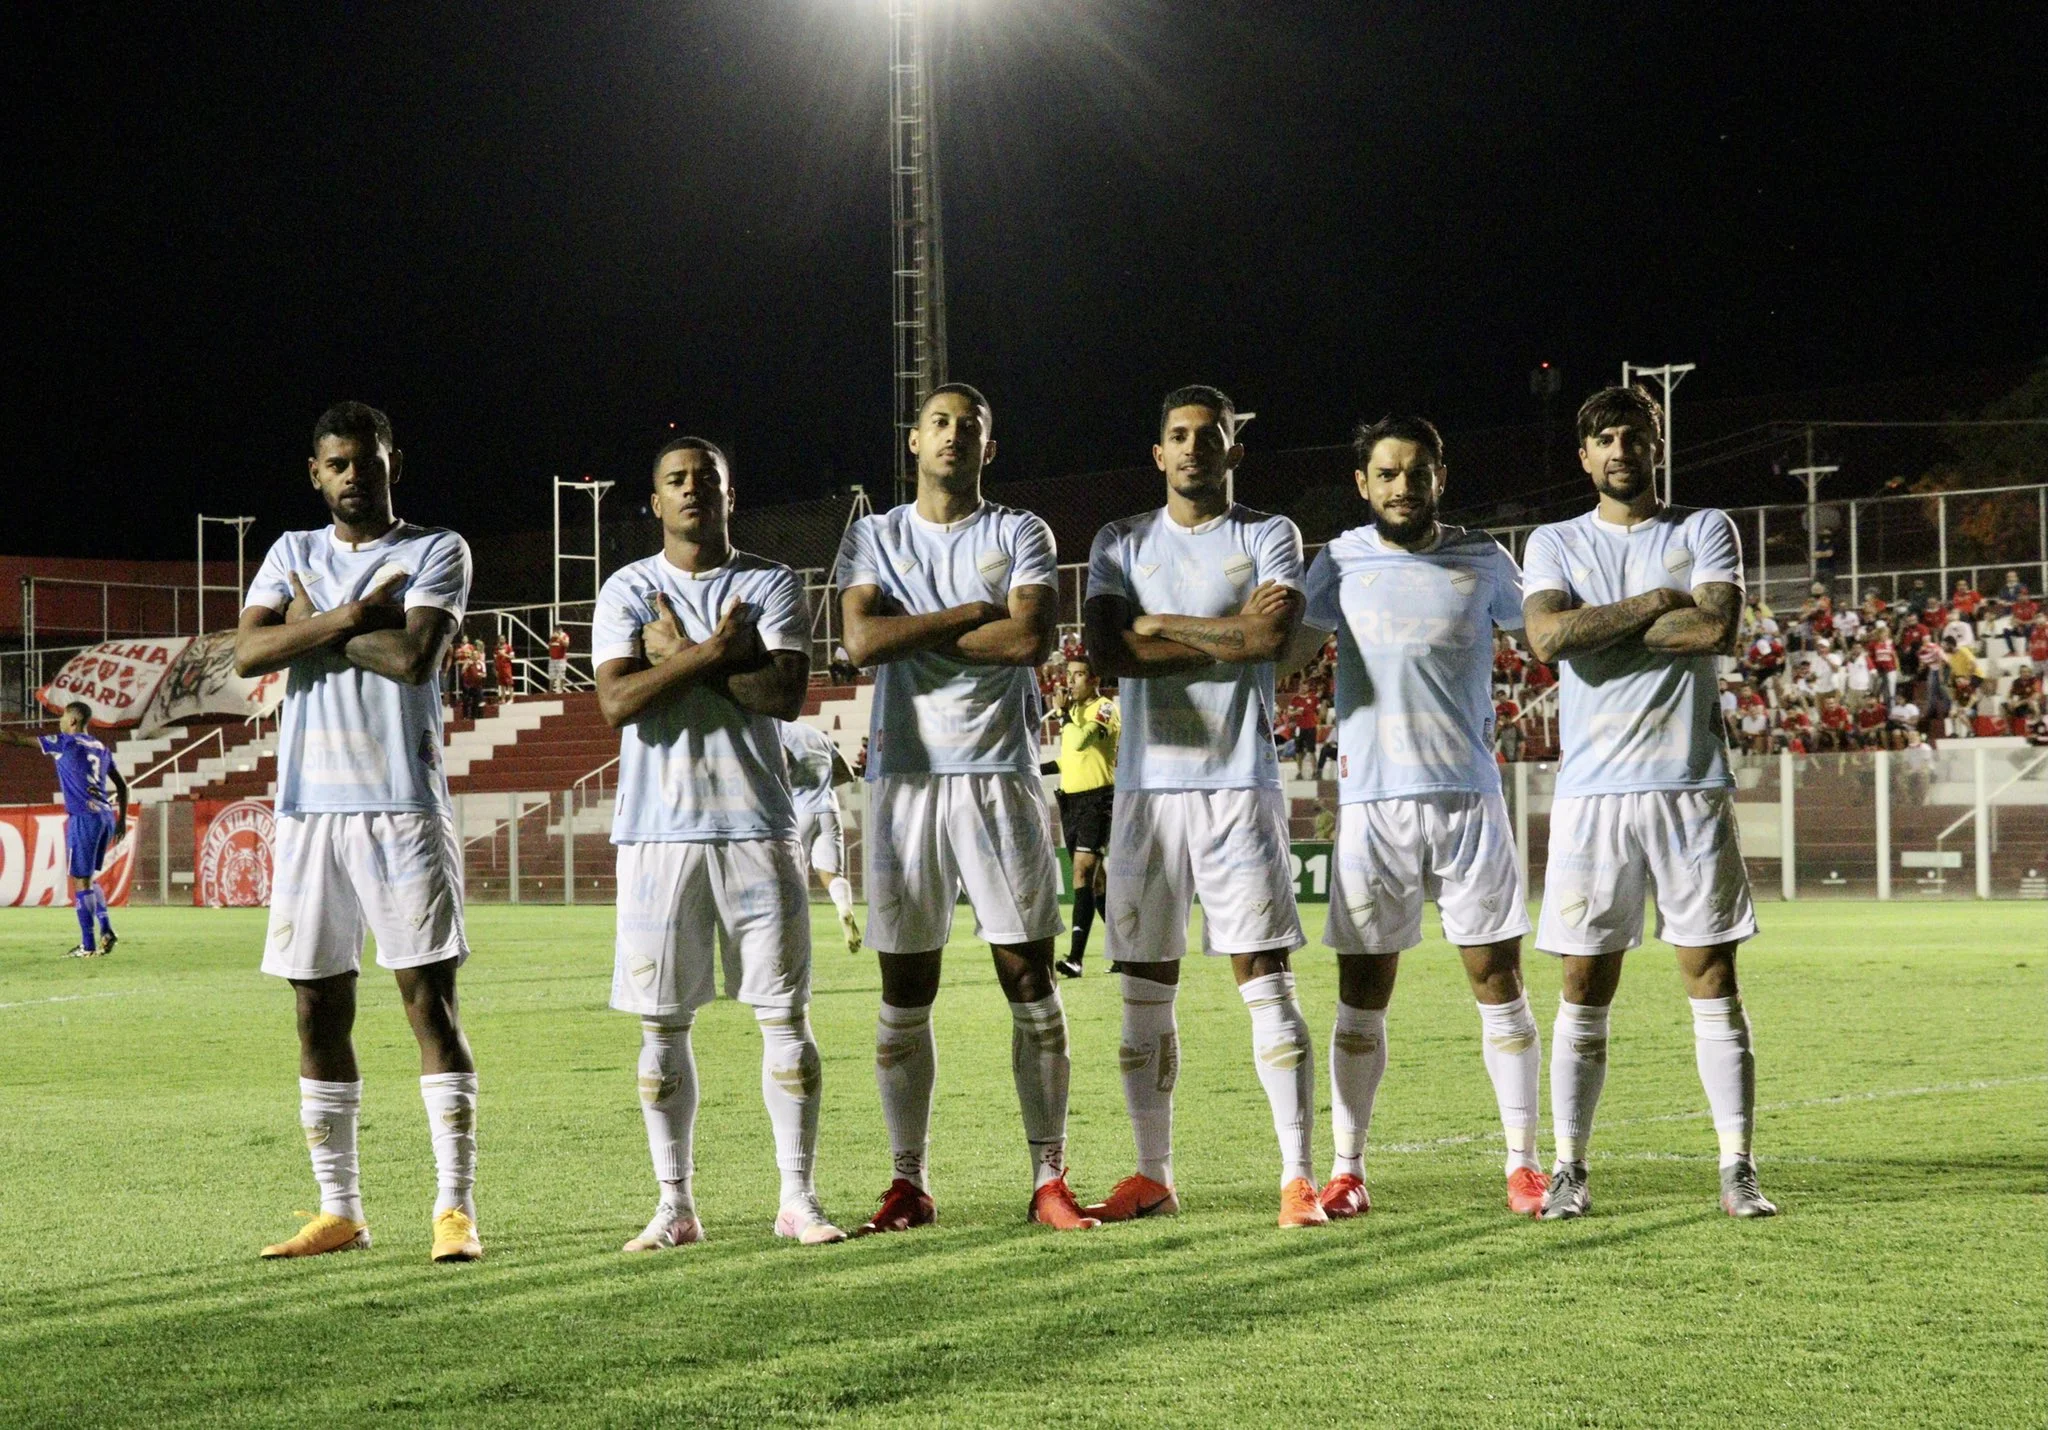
(1507, 661)
(1965, 600)
(1507, 716)
(1539, 677)
(471, 659)
(1870, 722)
(1837, 728)
(2037, 646)
(503, 663)
(558, 660)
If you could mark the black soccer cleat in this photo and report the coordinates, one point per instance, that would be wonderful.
(107, 941)
(1068, 968)
(1567, 1196)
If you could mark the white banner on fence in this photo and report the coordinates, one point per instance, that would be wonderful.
(148, 684)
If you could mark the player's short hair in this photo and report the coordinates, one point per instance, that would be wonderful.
(1200, 394)
(696, 444)
(79, 708)
(1420, 430)
(356, 420)
(1080, 657)
(1630, 406)
(968, 391)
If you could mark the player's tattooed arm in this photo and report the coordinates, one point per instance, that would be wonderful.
(875, 632)
(268, 640)
(1709, 626)
(1118, 651)
(774, 686)
(1558, 630)
(1024, 635)
(1259, 632)
(409, 654)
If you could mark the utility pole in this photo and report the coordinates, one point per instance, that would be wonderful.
(1669, 375)
(1812, 475)
(918, 276)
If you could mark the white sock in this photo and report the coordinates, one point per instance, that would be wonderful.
(1720, 1038)
(906, 1070)
(789, 1087)
(1038, 1059)
(327, 1114)
(451, 1118)
(1513, 1049)
(1578, 1070)
(668, 1104)
(1150, 1059)
(841, 894)
(1286, 1066)
(1358, 1060)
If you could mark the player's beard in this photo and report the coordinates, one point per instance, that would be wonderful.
(1408, 532)
(1626, 486)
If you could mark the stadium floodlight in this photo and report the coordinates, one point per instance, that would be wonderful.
(1669, 375)
(241, 524)
(917, 268)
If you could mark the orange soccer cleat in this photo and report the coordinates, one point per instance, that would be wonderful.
(1344, 1196)
(1053, 1205)
(1134, 1197)
(321, 1234)
(905, 1207)
(1526, 1187)
(1299, 1205)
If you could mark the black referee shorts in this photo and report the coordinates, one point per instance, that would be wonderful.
(1084, 819)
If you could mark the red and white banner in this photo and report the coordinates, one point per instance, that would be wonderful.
(35, 862)
(231, 842)
(148, 684)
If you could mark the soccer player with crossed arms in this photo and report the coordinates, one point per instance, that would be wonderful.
(954, 599)
(359, 612)
(700, 651)
(1636, 599)
(1188, 606)
(1415, 603)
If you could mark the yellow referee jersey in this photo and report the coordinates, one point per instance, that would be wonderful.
(1088, 745)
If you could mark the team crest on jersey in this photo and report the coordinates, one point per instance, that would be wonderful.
(994, 567)
(1677, 559)
(1238, 569)
(1464, 582)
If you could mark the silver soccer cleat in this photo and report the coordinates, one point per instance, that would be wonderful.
(1568, 1196)
(1740, 1195)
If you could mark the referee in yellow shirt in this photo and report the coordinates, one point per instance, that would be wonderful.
(1089, 727)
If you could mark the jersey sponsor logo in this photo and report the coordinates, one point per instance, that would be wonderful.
(1464, 582)
(994, 567)
(1384, 628)
(341, 757)
(1420, 738)
(1238, 569)
(1635, 736)
(1677, 559)
(233, 867)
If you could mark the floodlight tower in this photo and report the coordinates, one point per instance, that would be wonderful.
(918, 282)
(1669, 375)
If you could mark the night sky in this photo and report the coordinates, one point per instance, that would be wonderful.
(539, 234)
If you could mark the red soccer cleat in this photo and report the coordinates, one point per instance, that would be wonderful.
(1135, 1197)
(905, 1207)
(1344, 1196)
(1053, 1205)
(1526, 1187)
(1299, 1206)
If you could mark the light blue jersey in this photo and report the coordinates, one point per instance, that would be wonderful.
(349, 741)
(695, 767)
(1210, 728)
(809, 751)
(1414, 659)
(1632, 718)
(934, 714)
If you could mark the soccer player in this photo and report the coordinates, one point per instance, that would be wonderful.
(1090, 727)
(359, 613)
(1188, 606)
(699, 650)
(95, 816)
(1637, 599)
(953, 598)
(1415, 604)
(816, 769)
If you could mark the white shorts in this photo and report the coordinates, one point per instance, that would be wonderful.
(1608, 850)
(396, 874)
(686, 909)
(1227, 847)
(929, 837)
(822, 837)
(1455, 849)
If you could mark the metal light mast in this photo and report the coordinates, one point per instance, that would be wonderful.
(919, 280)
(1670, 376)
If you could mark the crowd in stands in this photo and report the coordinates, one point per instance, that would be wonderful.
(1888, 674)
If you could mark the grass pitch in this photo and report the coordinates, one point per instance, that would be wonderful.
(149, 1145)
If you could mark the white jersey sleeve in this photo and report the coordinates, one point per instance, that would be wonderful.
(1106, 565)
(1324, 579)
(442, 580)
(1507, 590)
(1034, 558)
(1716, 549)
(615, 626)
(1543, 563)
(784, 619)
(272, 587)
(860, 560)
(1277, 550)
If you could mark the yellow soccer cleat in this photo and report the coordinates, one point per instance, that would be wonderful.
(320, 1235)
(455, 1237)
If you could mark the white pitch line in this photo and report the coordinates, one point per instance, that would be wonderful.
(67, 998)
(1835, 1100)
